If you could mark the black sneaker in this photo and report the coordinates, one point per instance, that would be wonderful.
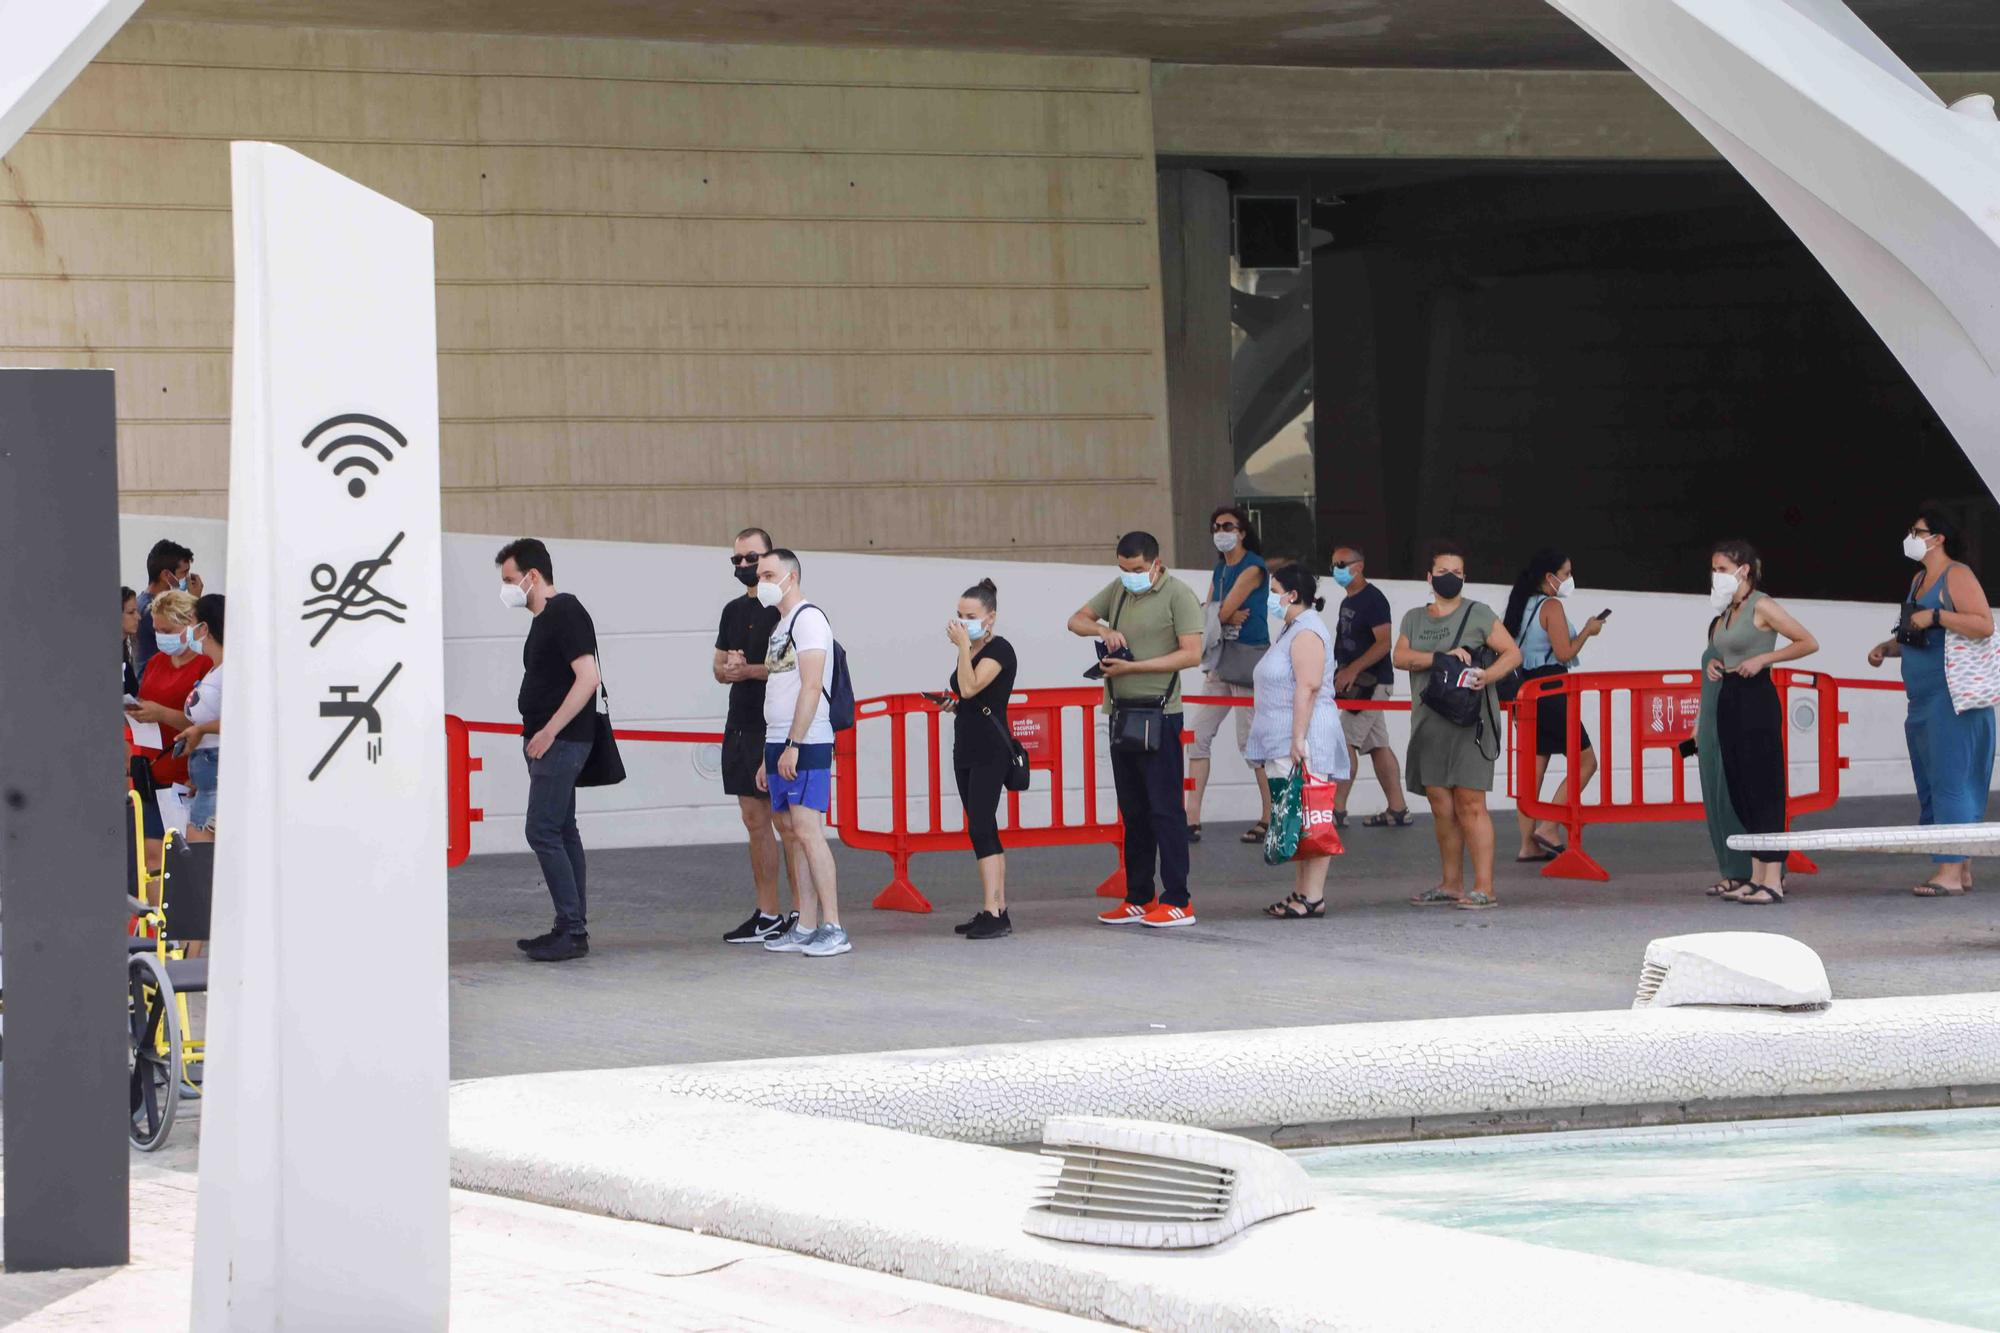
(560, 949)
(967, 927)
(537, 941)
(989, 927)
(757, 929)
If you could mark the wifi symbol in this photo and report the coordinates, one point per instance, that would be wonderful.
(351, 452)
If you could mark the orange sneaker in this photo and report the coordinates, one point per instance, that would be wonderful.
(1124, 914)
(1162, 915)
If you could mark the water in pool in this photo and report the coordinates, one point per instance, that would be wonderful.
(1900, 1212)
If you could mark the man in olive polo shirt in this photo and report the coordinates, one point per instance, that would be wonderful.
(1158, 619)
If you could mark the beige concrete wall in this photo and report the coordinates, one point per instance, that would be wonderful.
(887, 301)
(1235, 111)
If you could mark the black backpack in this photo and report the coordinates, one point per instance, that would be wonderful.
(839, 690)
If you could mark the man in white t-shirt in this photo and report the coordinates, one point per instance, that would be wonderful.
(798, 754)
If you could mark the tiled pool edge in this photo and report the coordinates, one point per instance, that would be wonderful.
(1300, 1087)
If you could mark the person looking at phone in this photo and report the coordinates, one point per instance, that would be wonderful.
(1158, 620)
(741, 642)
(1550, 646)
(982, 678)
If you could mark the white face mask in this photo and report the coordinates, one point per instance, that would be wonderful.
(1915, 547)
(1567, 588)
(1721, 590)
(1225, 542)
(513, 596)
(770, 594)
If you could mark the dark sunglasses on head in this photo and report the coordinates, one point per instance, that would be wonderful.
(750, 559)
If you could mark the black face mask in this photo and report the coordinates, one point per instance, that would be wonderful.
(1447, 586)
(747, 575)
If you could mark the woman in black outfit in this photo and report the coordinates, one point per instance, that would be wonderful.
(982, 745)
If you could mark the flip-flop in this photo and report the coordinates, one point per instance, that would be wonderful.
(1434, 898)
(1936, 890)
(1554, 849)
(1525, 860)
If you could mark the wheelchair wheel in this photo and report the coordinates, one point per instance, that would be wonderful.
(154, 1058)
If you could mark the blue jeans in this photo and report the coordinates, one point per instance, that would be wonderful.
(552, 829)
(202, 770)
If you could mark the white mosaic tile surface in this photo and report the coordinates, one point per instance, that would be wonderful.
(1368, 1071)
(1930, 840)
(949, 1214)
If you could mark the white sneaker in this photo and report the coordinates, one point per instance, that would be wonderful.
(792, 941)
(826, 942)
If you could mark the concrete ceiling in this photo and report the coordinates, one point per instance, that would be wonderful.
(1470, 34)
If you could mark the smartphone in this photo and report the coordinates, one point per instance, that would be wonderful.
(1603, 616)
(181, 748)
(940, 700)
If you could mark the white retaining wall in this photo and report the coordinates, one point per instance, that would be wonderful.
(656, 608)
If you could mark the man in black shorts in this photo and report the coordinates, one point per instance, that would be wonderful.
(740, 644)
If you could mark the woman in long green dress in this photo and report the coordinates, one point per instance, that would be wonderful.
(1715, 803)
(1451, 765)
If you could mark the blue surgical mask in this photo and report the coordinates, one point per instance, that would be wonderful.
(181, 585)
(974, 629)
(1274, 606)
(173, 645)
(1136, 583)
(1343, 576)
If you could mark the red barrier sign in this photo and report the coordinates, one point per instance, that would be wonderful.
(1669, 715)
(1031, 729)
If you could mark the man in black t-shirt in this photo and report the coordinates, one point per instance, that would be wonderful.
(559, 681)
(741, 641)
(1361, 652)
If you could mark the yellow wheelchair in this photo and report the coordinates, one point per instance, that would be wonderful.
(170, 910)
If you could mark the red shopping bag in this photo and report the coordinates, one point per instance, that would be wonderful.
(1319, 836)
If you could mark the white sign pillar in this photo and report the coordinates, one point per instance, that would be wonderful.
(324, 1157)
(44, 45)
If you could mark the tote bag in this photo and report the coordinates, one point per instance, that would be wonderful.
(605, 767)
(1971, 666)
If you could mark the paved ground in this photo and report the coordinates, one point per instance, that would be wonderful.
(660, 987)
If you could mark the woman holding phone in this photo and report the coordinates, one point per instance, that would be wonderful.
(1550, 645)
(982, 745)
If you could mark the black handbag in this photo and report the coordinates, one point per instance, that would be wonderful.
(1445, 694)
(1017, 757)
(605, 767)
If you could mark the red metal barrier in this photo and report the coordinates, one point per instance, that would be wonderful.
(460, 765)
(1661, 710)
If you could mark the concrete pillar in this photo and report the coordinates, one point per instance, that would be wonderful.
(1194, 294)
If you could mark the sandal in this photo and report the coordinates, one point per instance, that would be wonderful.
(1389, 819)
(1525, 860)
(1296, 907)
(1727, 887)
(1434, 898)
(1936, 890)
(1340, 819)
(1256, 832)
(1554, 849)
(1194, 833)
(1759, 896)
(1477, 902)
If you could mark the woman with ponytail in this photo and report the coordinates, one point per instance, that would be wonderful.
(1294, 717)
(1550, 646)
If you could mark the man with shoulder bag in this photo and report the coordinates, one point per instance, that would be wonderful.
(1150, 625)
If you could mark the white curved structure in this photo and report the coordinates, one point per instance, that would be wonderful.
(1897, 195)
(1735, 967)
(1150, 1186)
(1927, 840)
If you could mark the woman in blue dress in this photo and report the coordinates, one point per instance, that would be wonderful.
(1951, 753)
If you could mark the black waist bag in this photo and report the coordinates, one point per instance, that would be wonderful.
(1445, 693)
(1139, 728)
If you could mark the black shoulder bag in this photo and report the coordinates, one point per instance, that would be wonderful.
(1017, 757)
(605, 767)
(1137, 727)
(1445, 693)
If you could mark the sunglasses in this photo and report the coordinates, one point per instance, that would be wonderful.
(750, 559)
(1225, 527)
(1343, 564)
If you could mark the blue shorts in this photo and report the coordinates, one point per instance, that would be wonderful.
(812, 788)
(202, 768)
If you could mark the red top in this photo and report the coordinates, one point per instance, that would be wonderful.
(169, 686)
